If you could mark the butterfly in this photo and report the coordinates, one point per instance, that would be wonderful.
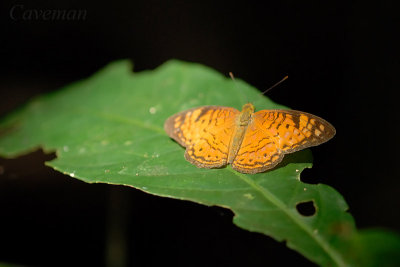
(251, 142)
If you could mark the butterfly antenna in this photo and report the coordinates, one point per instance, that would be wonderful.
(234, 80)
(231, 75)
(273, 86)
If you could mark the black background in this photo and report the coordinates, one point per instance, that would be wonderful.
(343, 63)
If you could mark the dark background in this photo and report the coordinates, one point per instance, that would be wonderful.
(343, 63)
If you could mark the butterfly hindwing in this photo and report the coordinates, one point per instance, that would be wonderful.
(258, 151)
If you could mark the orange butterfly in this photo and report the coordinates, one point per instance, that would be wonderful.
(215, 136)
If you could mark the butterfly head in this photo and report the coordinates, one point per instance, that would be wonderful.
(248, 108)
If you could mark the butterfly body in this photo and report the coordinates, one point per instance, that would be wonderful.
(215, 136)
(242, 122)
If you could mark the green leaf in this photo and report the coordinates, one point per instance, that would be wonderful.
(109, 128)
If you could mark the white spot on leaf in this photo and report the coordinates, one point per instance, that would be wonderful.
(152, 110)
(123, 170)
(249, 196)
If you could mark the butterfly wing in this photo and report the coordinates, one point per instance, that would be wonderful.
(258, 151)
(206, 133)
(295, 130)
(273, 133)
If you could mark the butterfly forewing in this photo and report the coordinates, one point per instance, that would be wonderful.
(294, 130)
(205, 132)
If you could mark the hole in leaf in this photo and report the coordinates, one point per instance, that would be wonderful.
(308, 176)
(306, 208)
